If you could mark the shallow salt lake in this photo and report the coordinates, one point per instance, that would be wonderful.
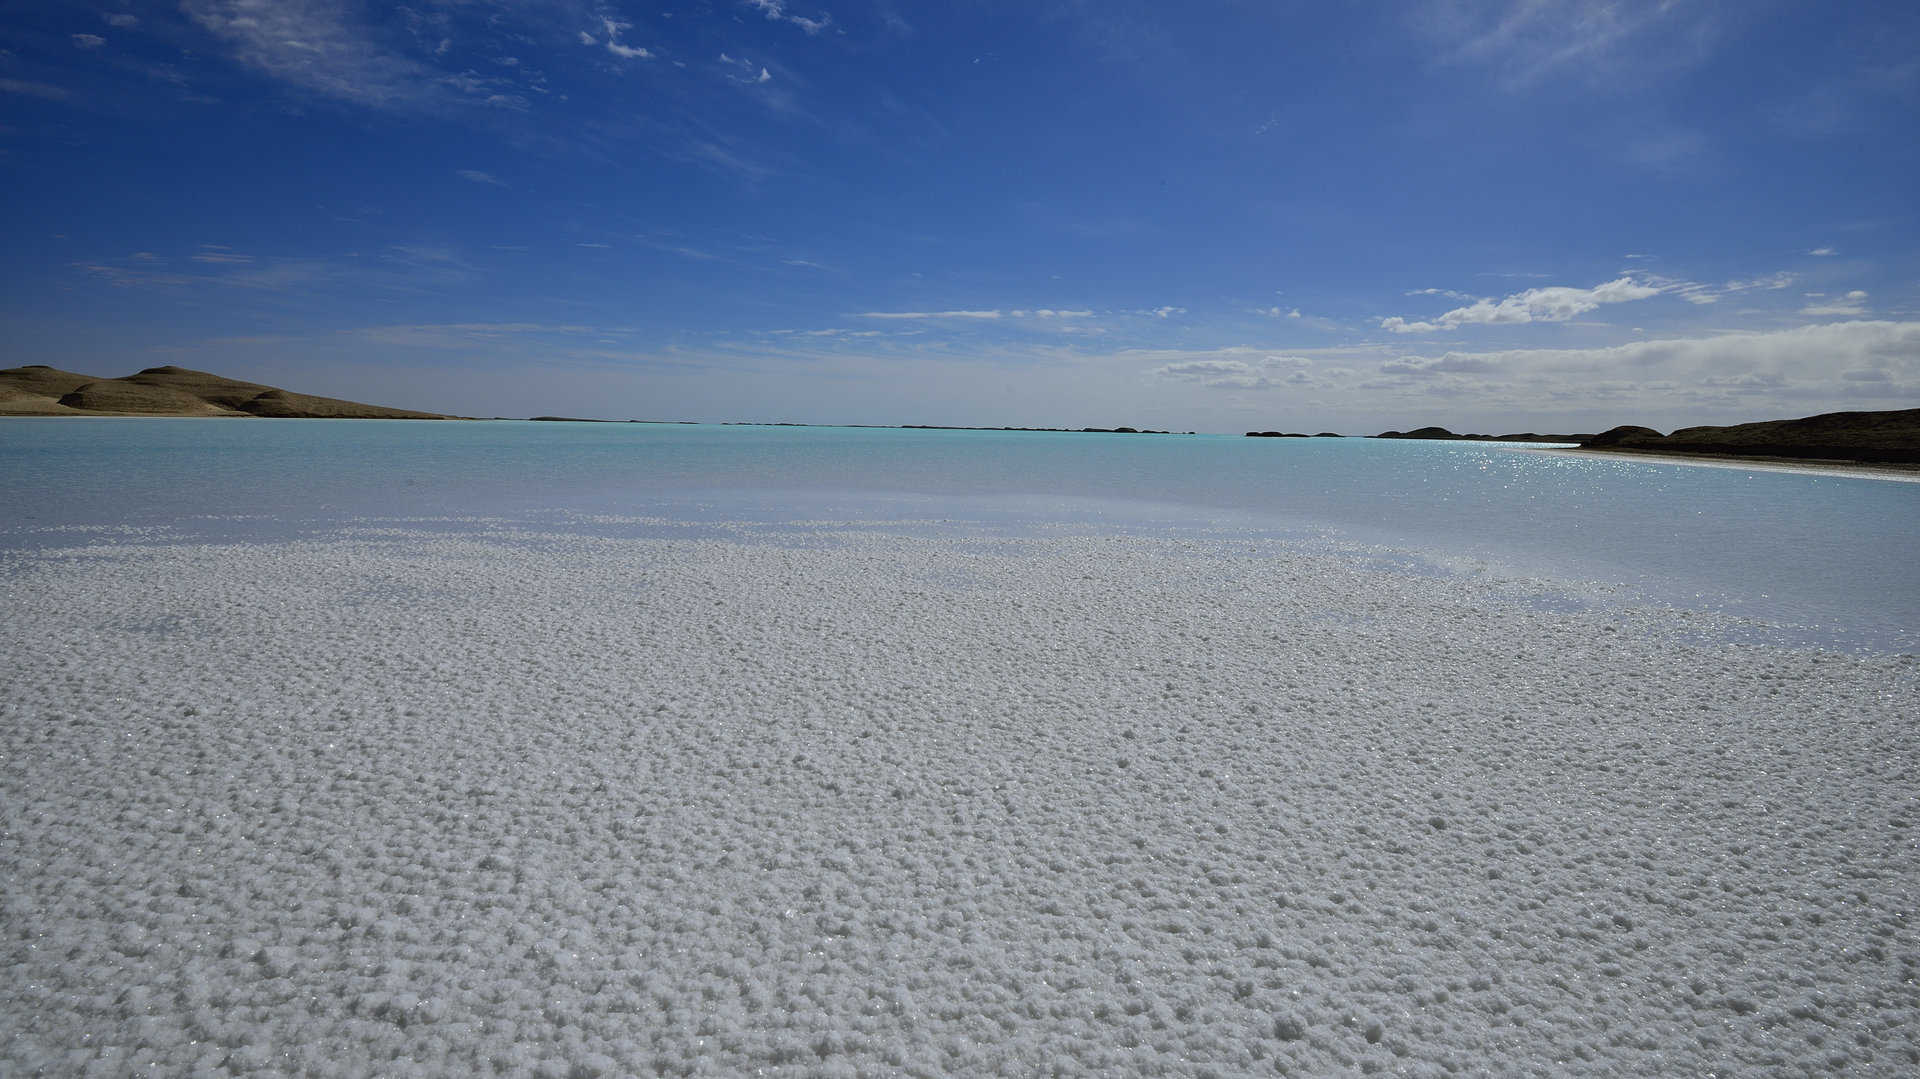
(1822, 558)
(684, 751)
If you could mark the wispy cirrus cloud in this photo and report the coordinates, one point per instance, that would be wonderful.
(313, 44)
(1853, 303)
(1524, 42)
(989, 314)
(479, 177)
(746, 68)
(613, 28)
(1696, 293)
(212, 265)
(44, 91)
(776, 11)
(468, 334)
(1556, 303)
(322, 46)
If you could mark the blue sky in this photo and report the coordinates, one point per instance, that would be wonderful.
(1522, 215)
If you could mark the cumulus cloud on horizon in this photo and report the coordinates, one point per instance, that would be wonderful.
(1764, 373)
(1264, 373)
(1556, 303)
(1805, 354)
(1853, 303)
(928, 314)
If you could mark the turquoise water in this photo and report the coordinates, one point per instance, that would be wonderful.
(1830, 555)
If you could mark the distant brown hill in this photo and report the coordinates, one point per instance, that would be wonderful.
(1892, 436)
(38, 390)
(1441, 434)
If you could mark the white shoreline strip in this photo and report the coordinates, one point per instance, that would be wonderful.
(1895, 473)
(451, 805)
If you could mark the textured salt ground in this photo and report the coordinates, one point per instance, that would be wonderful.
(890, 805)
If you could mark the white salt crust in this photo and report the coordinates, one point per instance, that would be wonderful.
(418, 804)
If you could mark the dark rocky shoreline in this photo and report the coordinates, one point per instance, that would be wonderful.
(1889, 437)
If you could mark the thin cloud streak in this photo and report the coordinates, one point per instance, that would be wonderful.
(927, 314)
(1552, 304)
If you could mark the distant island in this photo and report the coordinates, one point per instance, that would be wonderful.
(1443, 433)
(39, 390)
(1890, 437)
(1881, 438)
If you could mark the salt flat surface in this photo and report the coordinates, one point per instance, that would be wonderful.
(408, 802)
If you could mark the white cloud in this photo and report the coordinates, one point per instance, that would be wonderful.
(1165, 312)
(1770, 282)
(1670, 382)
(1527, 41)
(1805, 354)
(1556, 303)
(1450, 364)
(625, 52)
(753, 73)
(1696, 293)
(466, 334)
(121, 19)
(88, 41)
(1853, 303)
(318, 46)
(776, 10)
(1267, 372)
(1396, 324)
(1447, 292)
(1823, 252)
(927, 314)
(1198, 370)
(33, 89)
(478, 177)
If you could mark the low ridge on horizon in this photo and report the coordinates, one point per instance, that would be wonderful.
(40, 390)
(1889, 436)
